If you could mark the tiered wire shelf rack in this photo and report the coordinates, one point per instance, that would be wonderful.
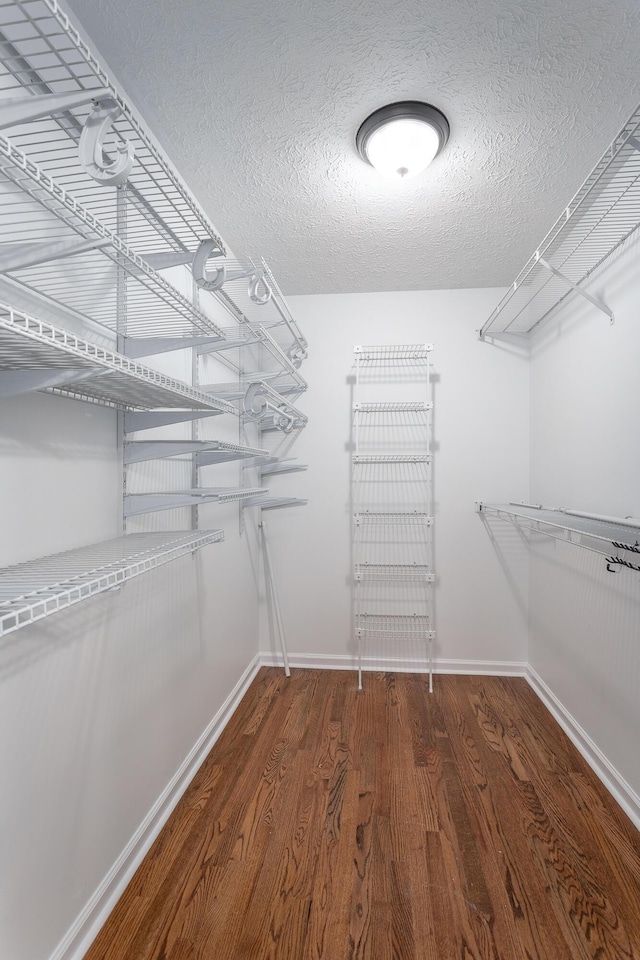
(93, 216)
(391, 495)
(601, 215)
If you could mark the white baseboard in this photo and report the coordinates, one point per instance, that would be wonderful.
(85, 928)
(604, 770)
(321, 661)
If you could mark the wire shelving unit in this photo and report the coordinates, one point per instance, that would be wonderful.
(207, 451)
(598, 533)
(136, 504)
(601, 215)
(392, 495)
(36, 589)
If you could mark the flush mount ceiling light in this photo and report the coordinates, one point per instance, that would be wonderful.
(401, 139)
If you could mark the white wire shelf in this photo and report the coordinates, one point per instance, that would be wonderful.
(393, 573)
(393, 407)
(393, 353)
(601, 215)
(275, 466)
(95, 282)
(140, 503)
(274, 314)
(34, 590)
(274, 503)
(394, 626)
(42, 54)
(402, 518)
(391, 458)
(207, 451)
(35, 355)
(253, 348)
(599, 534)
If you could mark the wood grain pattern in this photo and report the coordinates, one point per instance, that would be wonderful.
(386, 825)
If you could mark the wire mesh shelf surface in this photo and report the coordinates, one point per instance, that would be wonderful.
(394, 572)
(394, 626)
(606, 532)
(393, 352)
(36, 589)
(136, 504)
(394, 406)
(601, 215)
(28, 344)
(391, 517)
(391, 458)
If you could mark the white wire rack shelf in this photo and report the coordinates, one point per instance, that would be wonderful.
(403, 518)
(207, 451)
(598, 533)
(33, 204)
(35, 355)
(601, 215)
(136, 504)
(391, 458)
(36, 589)
(42, 54)
(393, 573)
(254, 348)
(393, 407)
(393, 353)
(395, 627)
(274, 314)
(274, 503)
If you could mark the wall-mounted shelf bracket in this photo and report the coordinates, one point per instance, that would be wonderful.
(15, 382)
(575, 286)
(135, 420)
(16, 110)
(135, 347)
(18, 256)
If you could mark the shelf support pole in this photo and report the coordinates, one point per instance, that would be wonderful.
(583, 293)
(274, 595)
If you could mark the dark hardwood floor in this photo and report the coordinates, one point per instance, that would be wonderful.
(387, 825)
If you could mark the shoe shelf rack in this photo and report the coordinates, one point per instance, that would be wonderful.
(94, 222)
(392, 522)
(601, 215)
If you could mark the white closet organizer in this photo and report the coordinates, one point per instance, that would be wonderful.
(90, 212)
(602, 214)
(618, 538)
(392, 505)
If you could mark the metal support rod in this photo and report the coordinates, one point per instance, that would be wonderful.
(583, 293)
(274, 597)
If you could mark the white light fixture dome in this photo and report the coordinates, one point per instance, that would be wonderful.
(401, 139)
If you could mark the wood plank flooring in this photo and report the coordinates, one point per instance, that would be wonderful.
(386, 825)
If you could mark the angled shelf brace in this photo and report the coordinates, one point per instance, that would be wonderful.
(207, 452)
(36, 589)
(274, 503)
(601, 215)
(136, 504)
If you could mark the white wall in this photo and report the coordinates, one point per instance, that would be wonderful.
(101, 704)
(481, 432)
(585, 454)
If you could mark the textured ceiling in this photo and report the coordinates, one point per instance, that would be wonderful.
(258, 104)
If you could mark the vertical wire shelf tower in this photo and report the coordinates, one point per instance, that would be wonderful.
(392, 496)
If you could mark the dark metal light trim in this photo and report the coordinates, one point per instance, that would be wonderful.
(406, 110)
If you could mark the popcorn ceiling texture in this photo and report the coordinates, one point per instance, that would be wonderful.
(258, 104)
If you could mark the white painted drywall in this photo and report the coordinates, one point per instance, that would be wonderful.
(585, 455)
(101, 704)
(481, 432)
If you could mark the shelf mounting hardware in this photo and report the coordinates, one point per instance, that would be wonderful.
(18, 256)
(110, 173)
(16, 110)
(575, 286)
